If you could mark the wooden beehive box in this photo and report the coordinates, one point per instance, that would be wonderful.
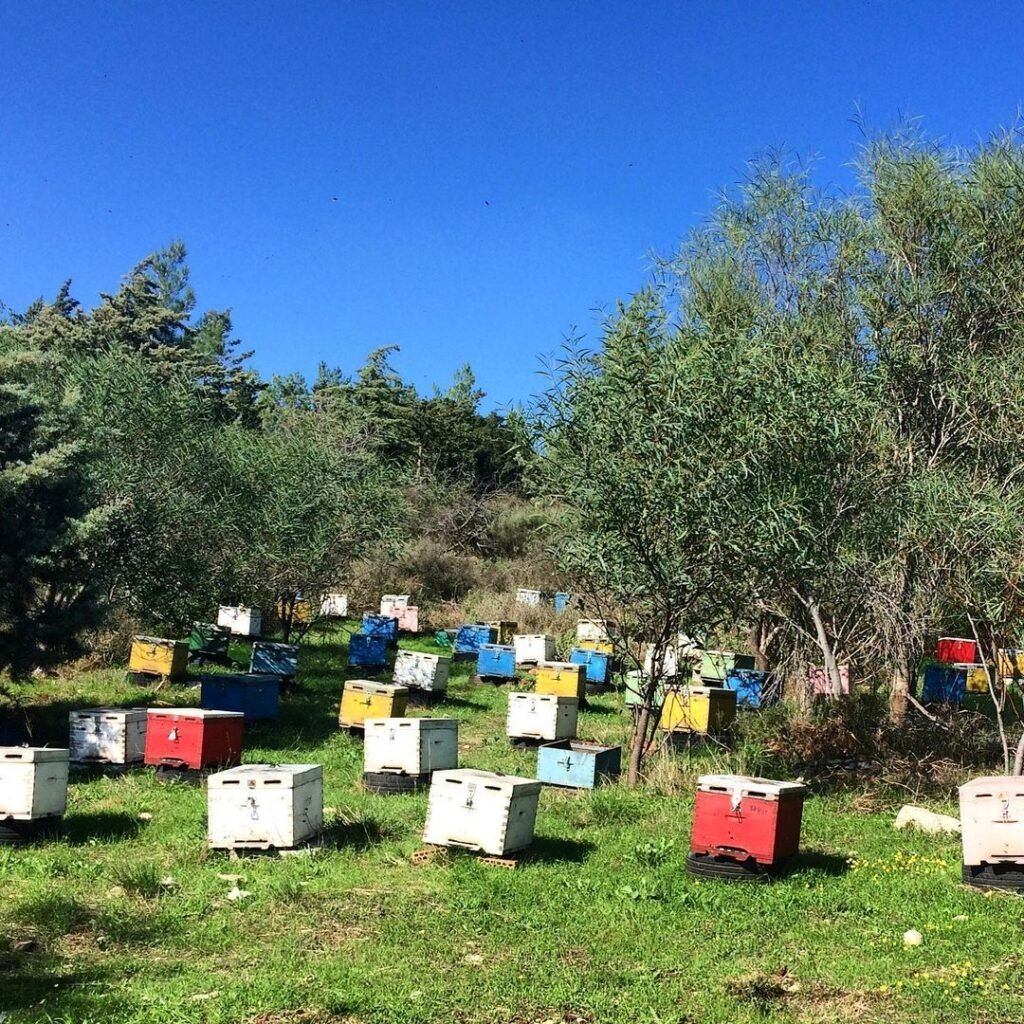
(716, 665)
(33, 783)
(241, 620)
(496, 661)
(108, 735)
(541, 716)
(533, 648)
(992, 820)
(256, 696)
(596, 630)
(699, 709)
(393, 601)
(483, 811)
(155, 656)
(362, 699)
(274, 659)
(419, 671)
(334, 606)
(595, 664)
(577, 763)
(264, 806)
(561, 678)
(506, 630)
(527, 596)
(193, 738)
(953, 649)
(411, 746)
(367, 651)
(819, 679)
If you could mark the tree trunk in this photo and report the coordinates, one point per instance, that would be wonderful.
(899, 692)
(755, 637)
(835, 681)
(638, 744)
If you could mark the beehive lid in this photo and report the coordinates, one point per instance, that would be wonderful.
(749, 785)
(544, 698)
(259, 776)
(500, 648)
(413, 723)
(35, 755)
(508, 785)
(128, 714)
(701, 691)
(578, 746)
(194, 713)
(155, 641)
(417, 656)
(994, 785)
(957, 639)
(290, 648)
(533, 636)
(369, 686)
(568, 666)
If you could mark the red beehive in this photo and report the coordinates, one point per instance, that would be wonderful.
(193, 738)
(952, 650)
(747, 819)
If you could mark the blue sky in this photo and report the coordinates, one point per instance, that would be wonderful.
(467, 180)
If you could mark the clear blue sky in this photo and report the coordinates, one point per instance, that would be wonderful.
(467, 180)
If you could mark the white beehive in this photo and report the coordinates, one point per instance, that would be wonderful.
(526, 596)
(541, 716)
(420, 671)
(33, 783)
(264, 806)
(412, 746)
(108, 735)
(992, 819)
(392, 603)
(532, 647)
(484, 811)
(334, 606)
(242, 621)
(599, 631)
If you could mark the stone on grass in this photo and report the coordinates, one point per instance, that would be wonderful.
(925, 820)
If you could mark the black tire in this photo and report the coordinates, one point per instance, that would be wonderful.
(593, 689)
(994, 876)
(702, 865)
(389, 783)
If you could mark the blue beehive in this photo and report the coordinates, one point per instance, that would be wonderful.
(381, 625)
(577, 763)
(471, 638)
(496, 661)
(562, 601)
(944, 683)
(366, 651)
(256, 696)
(274, 659)
(753, 689)
(595, 661)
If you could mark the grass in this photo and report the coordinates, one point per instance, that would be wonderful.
(127, 917)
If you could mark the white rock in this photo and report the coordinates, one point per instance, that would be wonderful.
(925, 820)
(912, 937)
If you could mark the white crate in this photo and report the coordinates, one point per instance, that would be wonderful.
(483, 811)
(264, 806)
(992, 819)
(392, 603)
(530, 597)
(541, 716)
(420, 671)
(108, 735)
(33, 783)
(334, 606)
(533, 647)
(414, 746)
(599, 631)
(242, 621)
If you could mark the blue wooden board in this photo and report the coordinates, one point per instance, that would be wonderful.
(944, 684)
(752, 688)
(471, 638)
(381, 625)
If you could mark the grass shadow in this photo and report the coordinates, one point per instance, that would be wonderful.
(461, 702)
(816, 862)
(359, 834)
(107, 826)
(555, 850)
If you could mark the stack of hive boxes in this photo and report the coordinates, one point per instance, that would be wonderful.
(397, 606)
(707, 708)
(946, 681)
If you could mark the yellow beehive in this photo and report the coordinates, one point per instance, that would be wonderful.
(601, 646)
(506, 630)
(702, 709)
(977, 679)
(362, 699)
(561, 679)
(302, 611)
(1011, 663)
(153, 656)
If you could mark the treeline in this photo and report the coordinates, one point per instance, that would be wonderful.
(809, 431)
(148, 473)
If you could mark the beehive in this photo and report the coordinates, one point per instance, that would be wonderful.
(154, 656)
(484, 811)
(274, 659)
(819, 679)
(256, 696)
(944, 684)
(562, 601)
(714, 665)
(381, 625)
(1011, 664)
(367, 651)
(419, 671)
(334, 606)
(533, 647)
(600, 646)
(301, 610)
(264, 806)
(362, 699)
(541, 716)
(577, 763)
(412, 746)
(528, 597)
(595, 664)
(635, 688)
(209, 640)
(674, 663)
(496, 662)
(561, 678)
(977, 678)
(992, 819)
(953, 649)
(241, 620)
(398, 607)
(393, 601)
(753, 689)
(699, 709)
(472, 636)
(505, 630)
(747, 818)
(599, 630)
(33, 783)
(193, 738)
(108, 735)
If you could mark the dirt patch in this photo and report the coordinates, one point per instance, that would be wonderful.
(812, 1004)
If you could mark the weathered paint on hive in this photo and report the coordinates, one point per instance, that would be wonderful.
(577, 764)
(362, 699)
(274, 659)
(156, 656)
(33, 783)
(561, 678)
(367, 651)
(108, 735)
(413, 746)
(699, 709)
(420, 671)
(496, 661)
(992, 820)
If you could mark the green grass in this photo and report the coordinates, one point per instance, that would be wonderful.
(126, 918)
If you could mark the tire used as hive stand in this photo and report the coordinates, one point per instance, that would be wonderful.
(994, 876)
(702, 865)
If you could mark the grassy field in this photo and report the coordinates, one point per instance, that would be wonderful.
(127, 917)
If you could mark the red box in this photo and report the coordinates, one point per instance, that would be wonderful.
(819, 680)
(747, 819)
(953, 650)
(193, 737)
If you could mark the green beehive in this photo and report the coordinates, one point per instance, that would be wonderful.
(207, 641)
(635, 683)
(716, 665)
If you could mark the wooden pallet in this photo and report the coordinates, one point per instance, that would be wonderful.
(428, 854)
